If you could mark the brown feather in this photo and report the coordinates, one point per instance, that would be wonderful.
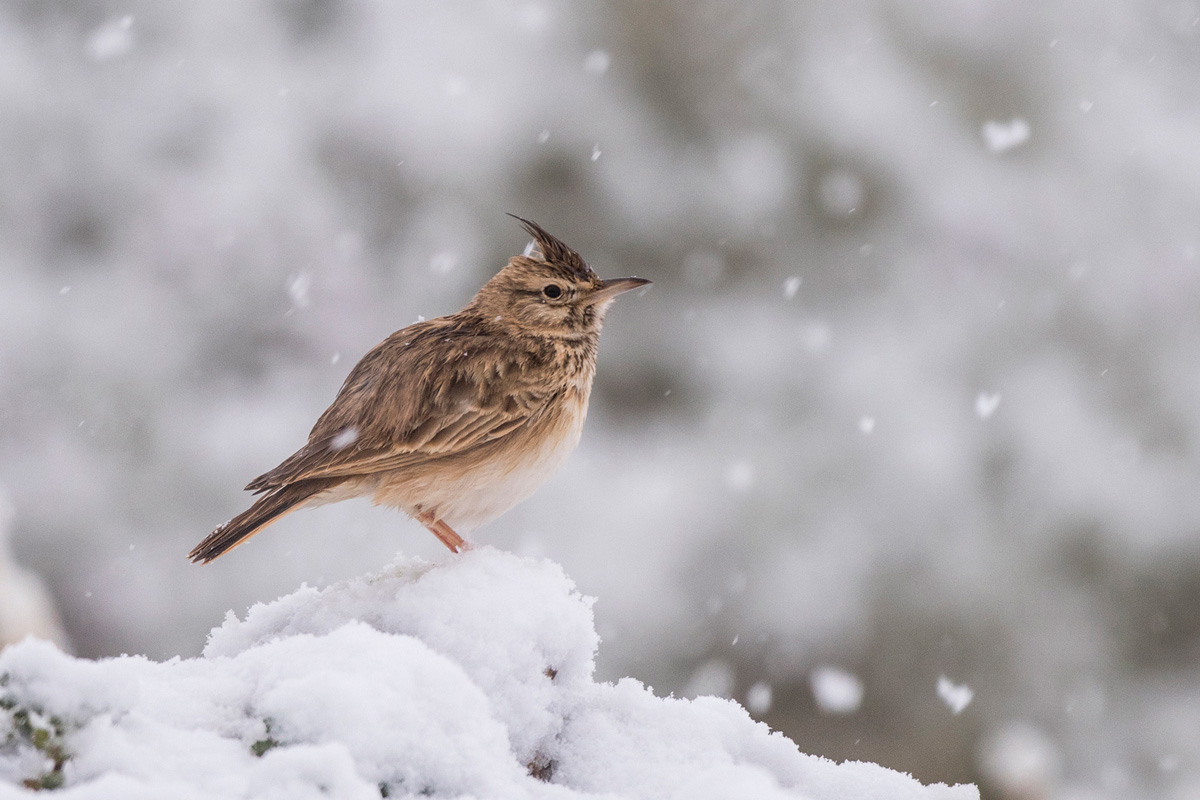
(382, 421)
(264, 511)
(555, 251)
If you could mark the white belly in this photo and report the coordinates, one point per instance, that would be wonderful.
(466, 494)
(494, 489)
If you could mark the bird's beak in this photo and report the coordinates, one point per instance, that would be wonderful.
(610, 289)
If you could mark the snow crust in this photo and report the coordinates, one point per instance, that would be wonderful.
(470, 678)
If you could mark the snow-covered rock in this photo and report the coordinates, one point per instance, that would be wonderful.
(471, 678)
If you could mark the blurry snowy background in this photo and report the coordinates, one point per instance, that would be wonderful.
(901, 450)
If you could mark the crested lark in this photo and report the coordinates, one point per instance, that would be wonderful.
(457, 419)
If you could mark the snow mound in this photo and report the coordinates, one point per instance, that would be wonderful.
(471, 678)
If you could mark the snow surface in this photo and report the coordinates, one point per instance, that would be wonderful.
(470, 678)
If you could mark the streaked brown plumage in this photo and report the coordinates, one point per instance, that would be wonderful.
(457, 419)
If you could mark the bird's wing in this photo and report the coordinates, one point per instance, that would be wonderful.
(429, 391)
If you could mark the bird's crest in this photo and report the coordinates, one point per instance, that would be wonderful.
(554, 251)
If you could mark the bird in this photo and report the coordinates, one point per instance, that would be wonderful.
(454, 420)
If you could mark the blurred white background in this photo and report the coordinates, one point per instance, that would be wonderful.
(915, 398)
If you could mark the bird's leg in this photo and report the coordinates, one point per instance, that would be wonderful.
(445, 534)
(450, 537)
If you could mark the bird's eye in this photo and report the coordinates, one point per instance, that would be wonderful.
(552, 290)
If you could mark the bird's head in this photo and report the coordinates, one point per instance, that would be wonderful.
(550, 292)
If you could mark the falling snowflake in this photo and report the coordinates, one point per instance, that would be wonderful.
(986, 404)
(955, 696)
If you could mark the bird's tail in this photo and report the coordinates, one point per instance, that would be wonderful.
(265, 510)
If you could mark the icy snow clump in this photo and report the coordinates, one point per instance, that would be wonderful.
(470, 678)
